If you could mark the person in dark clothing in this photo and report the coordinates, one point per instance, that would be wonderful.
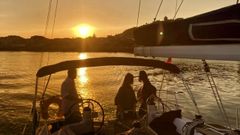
(145, 92)
(125, 98)
(70, 98)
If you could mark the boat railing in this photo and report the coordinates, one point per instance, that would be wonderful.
(237, 118)
(173, 104)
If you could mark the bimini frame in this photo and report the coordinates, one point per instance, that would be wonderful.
(95, 62)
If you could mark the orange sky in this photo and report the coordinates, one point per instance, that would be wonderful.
(109, 17)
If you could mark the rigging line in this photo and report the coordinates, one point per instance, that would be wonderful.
(45, 89)
(33, 108)
(216, 92)
(139, 8)
(54, 19)
(46, 27)
(189, 91)
(178, 9)
(218, 99)
(237, 118)
(176, 6)
(53, 26)
(161, 86)
(160, 5)
(48, 16)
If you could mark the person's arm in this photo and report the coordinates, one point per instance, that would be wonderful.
(155, 91)
(155, 94)
(139, 95)
(70, 96)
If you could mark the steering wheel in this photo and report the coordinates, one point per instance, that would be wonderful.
(97, 112)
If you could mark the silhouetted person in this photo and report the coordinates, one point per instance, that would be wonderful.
(126, 99)
(70, 98)
(165, 18)
(145, 92)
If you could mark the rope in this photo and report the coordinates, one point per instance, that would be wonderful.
(176, 6)
(139, 8)
(46, 27)
(216, 93)
(154, 19)
(237, 118)
(161, 86)
(190, 93)
(54, 22)
(48, 16)
(33, 110)
(55, 16)
(178, 9)
(45, 89)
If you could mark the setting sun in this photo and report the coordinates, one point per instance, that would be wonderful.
(84, 31)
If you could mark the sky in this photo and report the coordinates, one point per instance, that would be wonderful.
(108, 17)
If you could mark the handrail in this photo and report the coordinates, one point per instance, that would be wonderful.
(237, 118)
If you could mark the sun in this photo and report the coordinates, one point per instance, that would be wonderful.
(84, 30)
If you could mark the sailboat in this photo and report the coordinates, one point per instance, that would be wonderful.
(212, 35)
(162, 42)
(160, 118)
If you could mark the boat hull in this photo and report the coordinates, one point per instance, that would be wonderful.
(228, 52)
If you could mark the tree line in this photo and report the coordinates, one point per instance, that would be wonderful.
(119, 43)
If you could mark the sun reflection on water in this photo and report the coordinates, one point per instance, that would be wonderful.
(82, 77)
(82, 56)
(82, 73)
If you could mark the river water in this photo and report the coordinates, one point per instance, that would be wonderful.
(17, 80)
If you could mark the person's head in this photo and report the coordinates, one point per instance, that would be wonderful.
(72, 73)
(143, 76)
(128, 80)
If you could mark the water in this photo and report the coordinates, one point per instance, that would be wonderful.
(17, 80)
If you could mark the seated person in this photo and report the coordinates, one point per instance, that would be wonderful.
(126, 99)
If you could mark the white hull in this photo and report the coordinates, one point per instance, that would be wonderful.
(210, 52)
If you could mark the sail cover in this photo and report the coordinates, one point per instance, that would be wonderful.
(106, 61)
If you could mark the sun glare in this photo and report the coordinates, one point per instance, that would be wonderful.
(84, 31)
(82, 72)
(82, 56)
